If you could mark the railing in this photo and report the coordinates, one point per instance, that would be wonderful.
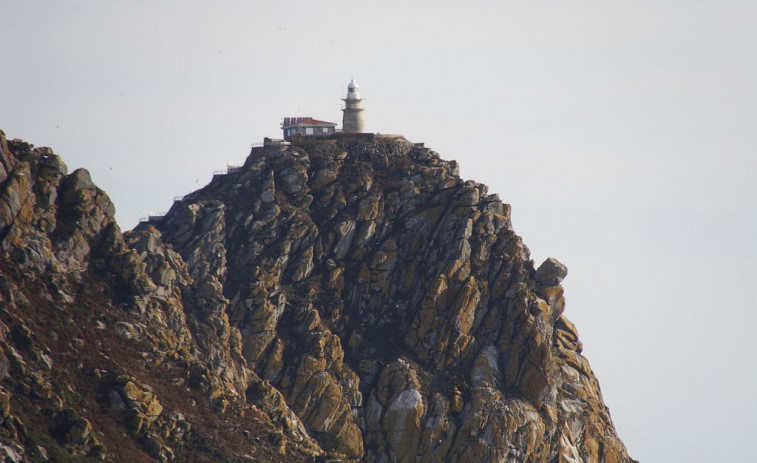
(152, 218)
(230, 169)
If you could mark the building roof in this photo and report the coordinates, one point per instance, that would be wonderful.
(294, 121)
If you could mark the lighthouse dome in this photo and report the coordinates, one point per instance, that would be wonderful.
(352, 92)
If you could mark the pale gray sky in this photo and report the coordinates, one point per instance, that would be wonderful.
(622, 133)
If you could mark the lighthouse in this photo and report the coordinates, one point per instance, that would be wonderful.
(352, 119)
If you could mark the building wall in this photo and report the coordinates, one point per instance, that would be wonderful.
(308, 129)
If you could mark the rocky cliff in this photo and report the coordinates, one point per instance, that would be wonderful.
(349, 299)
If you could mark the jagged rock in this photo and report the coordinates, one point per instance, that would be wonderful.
(140, 402)
(323, 177)
(5, 404)
(11, 453)
(402, 423)
(347, 300)
(154, 446)
(75, 433)
(551, 272)
(79, 431)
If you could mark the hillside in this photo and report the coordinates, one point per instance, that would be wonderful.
(349, 299)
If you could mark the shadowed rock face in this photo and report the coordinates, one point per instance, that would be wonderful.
(352, 298)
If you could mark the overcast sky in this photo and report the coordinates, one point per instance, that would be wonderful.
(623, 133)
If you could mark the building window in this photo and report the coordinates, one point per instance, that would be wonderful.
(309, 131)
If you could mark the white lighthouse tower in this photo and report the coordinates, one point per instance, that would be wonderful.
(352, 119)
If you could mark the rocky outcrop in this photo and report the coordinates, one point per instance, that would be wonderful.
(394, 306)
(349, 299)
(109, 349)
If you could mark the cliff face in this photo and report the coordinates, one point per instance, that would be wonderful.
(351, 300)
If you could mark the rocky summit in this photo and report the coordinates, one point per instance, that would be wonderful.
(334, 300)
